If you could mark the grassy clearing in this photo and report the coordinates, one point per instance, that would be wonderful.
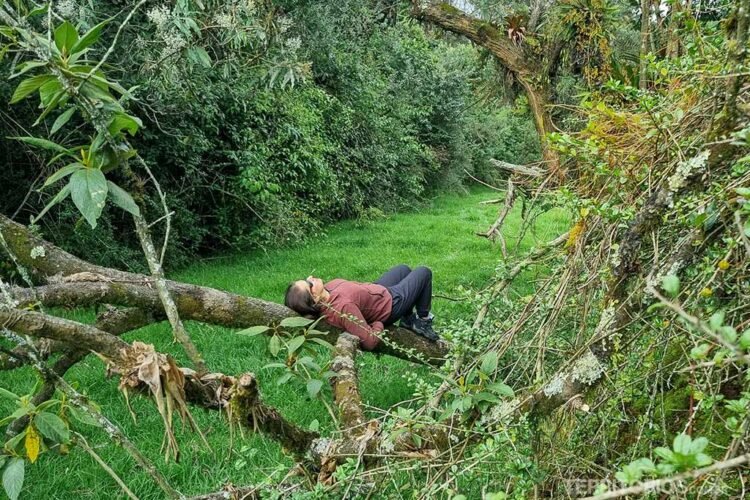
(441, 235)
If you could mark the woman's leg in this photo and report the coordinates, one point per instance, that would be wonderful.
(415, 290)
(393, 276)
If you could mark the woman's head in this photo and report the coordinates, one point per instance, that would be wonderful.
(304, 296)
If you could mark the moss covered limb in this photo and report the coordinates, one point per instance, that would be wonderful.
(39, 325)
(114, 321)
(212, 391)
(478, 31)
(346, 386)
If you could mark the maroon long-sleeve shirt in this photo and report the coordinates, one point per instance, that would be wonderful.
(358, 308)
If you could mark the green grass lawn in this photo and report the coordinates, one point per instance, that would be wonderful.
(441, 235)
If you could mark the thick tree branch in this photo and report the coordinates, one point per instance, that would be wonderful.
(480, 32)
(346, 386)
(114, 321)
(517, 169)
(245, 405)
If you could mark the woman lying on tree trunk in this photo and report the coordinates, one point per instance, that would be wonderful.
(364, 309)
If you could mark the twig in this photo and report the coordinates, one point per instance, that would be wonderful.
(658, 483)
(482, 182)
(112, 46)
(496, 229)
(167, 213)
(83, 444)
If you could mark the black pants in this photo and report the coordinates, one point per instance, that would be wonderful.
(408, 289)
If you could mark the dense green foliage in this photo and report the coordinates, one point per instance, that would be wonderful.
(379, 116)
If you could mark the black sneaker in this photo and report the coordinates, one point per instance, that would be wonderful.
(407, 321)
(423, 327)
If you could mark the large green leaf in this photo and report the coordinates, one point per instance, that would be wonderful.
(122, 199)
(51, 104)
(13, 477)
(15, 444)
(44, 144)
(198, 55)
(24, 67)
(62, 119)
(274, 345)
(93, 91)
(64, 192)
(49, 92)
(62, 173)
(90, 38)
(52, 427)
(295, 322)
(682, 444)
(123, 121)
(295, 344)
(501, 389)
(29, 86)
(10, 395)
(322, 342)
(254, 330)
(88, 189)
(42, 9)
(313, 387)
(489, 363)
(66, 37)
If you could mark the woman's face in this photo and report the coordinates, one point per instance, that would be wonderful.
(313, 285)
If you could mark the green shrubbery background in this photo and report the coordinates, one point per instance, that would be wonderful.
(386, 116)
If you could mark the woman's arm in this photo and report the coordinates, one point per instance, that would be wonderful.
(351, 319)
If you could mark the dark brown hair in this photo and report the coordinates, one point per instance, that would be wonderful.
(301, 301)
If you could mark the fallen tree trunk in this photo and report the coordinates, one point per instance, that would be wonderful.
(75, 282)
(238, 396)
(517, 169)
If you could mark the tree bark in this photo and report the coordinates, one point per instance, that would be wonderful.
(251, 412)
(115, 322)
(346, 386)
